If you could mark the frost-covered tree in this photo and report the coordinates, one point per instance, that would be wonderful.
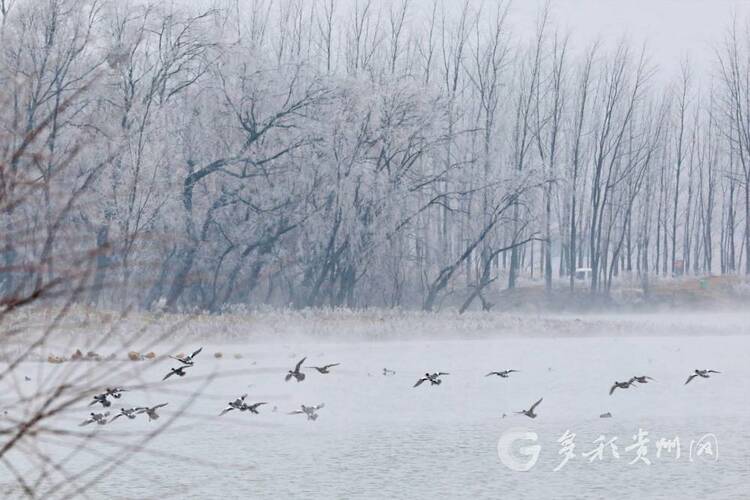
(357, 154)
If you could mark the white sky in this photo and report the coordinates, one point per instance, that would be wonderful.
(671, 29)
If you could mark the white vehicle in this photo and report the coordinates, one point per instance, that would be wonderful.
(583, 274)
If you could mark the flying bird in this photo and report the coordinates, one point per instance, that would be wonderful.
(101, 399)
(622, 385)
(700, 373)
(115, 392)
(503, 374)
(227, 409)
(99, 418)
(643, 379)
(187, 360)
(386, 371)
(151, 412)
(253, 408)
(530, 412)
(180, 371)
(237, 404)
(238, 401)
(325, 368)
(310, 411)
(432, 378)
(126, 412)
(296, 373)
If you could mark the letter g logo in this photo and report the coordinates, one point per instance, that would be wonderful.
(529, 454)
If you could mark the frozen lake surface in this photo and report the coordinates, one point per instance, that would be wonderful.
(378, 437)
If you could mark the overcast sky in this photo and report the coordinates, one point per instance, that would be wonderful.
(671, 28)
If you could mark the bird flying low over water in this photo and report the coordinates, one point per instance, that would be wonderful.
(227, 409)
(643, 379)
(101, 399)
(99, 418)
(115, 392)
(700, 373)
(622, 385)
(180, 371)
(310, 411)
(253, 408)
(237, 404)
(325, 368)
(296, 373)
(151, 412)
(238, 401)
(126, 412)
(503, 374)
(432, 378)
(530, 412)
(187, 360)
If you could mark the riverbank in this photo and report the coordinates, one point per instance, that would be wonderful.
(85, 329)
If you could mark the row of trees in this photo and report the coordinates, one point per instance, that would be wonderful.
(365, 153)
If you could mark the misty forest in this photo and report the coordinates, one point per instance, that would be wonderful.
(307, 154)
(374, 249)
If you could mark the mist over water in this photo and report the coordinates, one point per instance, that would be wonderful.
(378, 436)
(382, 202)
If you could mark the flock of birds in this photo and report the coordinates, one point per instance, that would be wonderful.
(130, 413)
(434, 379)
(116, 392)
(188, 361)
(239, 404)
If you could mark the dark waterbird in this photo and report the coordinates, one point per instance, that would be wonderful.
(253, 408)
(115, 392)
(700, 373)
(188, 360)
(126, 412)
(237, 404)
(150, 411)
(296, 373)
(180, 371)
(325, 368)
(643, 379)
(432, 378)
(101, 399)
(530, 412)
(622, 385)
(99, 418)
